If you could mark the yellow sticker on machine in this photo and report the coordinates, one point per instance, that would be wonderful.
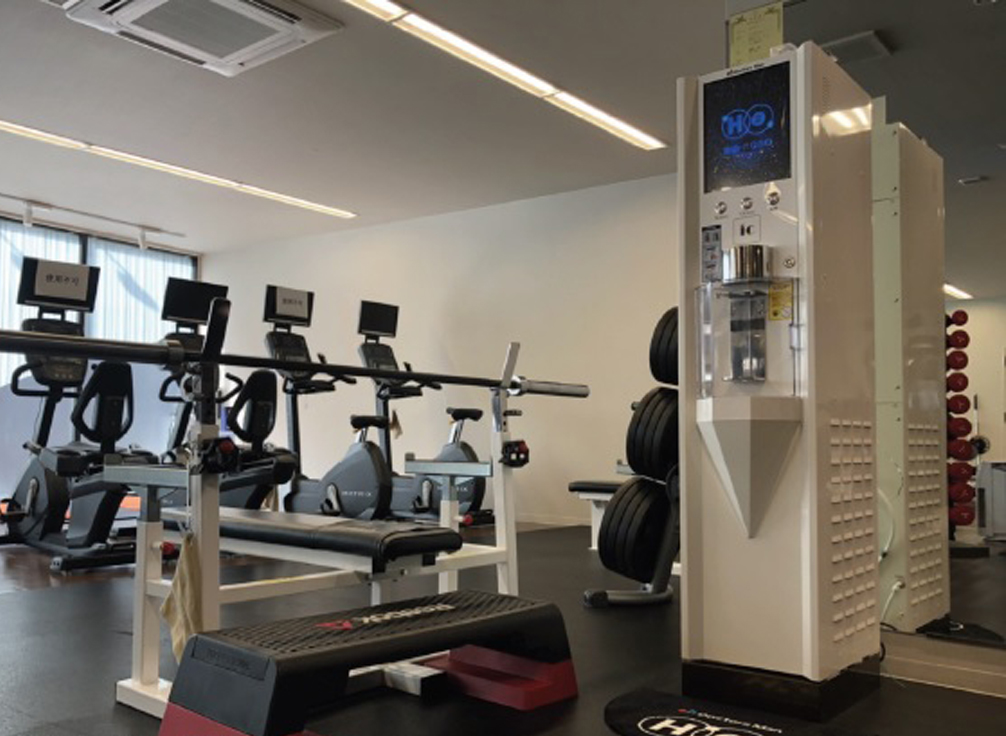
(754, 33)
(780, 302)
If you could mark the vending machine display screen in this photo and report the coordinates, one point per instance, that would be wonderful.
(747, 128)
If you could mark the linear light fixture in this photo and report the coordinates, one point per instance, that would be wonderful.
(955, 293)
(417, 25)
(181, 171)
(465, 50)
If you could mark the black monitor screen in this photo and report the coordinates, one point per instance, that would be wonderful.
(378, 320)
(288, 306)
(58, 285)
(188, 302)
(747, 128)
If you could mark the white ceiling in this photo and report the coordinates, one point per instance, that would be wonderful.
(370, 119)
(375, 121)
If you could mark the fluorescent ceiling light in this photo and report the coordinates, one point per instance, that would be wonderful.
(955, 293)
(40, 135)
(149, 163)
(465, 50)
(415, 24)
(601, 119)
(383, 9)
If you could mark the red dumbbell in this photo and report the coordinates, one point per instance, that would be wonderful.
(961, 493)
(962, 514)
(957, 360)
(959, 318)
(959, 404)
(958, 339)
(960, 450)
(959, 471)
(958, 427)
(957, 382)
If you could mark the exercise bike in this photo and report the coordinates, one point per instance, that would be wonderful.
(359, 485)
(68, 478)
(419, 496)
(251, 418)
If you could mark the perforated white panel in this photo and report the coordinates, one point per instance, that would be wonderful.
(853, 528)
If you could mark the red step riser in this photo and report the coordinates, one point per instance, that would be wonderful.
(181, 722)
(506, 680)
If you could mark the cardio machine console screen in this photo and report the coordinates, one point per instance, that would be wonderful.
(189, 302)
(746, 128)
(288, 306)
(378, 320)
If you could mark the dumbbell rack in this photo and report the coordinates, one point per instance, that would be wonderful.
(961, 454)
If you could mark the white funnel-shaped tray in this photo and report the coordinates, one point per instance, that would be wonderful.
(749, 439)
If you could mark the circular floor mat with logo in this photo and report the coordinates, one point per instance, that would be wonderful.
(653, 713)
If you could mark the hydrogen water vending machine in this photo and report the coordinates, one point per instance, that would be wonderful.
(779, 538)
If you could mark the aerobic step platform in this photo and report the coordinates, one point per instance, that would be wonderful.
(263, 680)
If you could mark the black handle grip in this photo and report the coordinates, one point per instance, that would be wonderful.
(163, 394)
(238, 385)
(15, 385)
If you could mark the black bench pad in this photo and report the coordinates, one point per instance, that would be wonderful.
(594, 486)
(382, 541)
(263, 679)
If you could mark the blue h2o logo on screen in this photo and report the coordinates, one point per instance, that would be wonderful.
(756, 120)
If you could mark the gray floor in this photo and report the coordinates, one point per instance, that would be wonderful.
(65, 646)
(978, 590)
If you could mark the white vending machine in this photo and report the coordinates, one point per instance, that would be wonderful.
(778, 478)
(911, 362)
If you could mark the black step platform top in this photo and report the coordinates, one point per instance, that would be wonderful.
(264, 679)
(344, 632)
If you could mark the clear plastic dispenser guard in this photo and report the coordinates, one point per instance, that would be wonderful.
(748, 412)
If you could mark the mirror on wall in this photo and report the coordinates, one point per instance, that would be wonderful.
(935, 64)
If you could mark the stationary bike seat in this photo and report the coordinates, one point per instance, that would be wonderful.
(458, 414)
(359, 422)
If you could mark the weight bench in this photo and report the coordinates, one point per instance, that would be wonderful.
(380, 542)
(264, 679)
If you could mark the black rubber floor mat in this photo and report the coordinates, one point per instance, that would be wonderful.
(653, 713)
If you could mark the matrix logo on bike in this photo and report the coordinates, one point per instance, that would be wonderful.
(694, 723)
(348, 624)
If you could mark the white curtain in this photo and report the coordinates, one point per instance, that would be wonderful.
(17, 414)
(131, 289)
(130, 297)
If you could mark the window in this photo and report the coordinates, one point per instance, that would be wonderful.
(131, 289)
(130, 292)
(128, 307)
(16, 242)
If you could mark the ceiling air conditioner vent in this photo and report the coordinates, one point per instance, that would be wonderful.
(225, 36)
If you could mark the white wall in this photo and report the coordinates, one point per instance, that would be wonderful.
(987, 327)
(578, 278)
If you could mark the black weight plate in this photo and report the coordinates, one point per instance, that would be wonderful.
(634, 438)
(635, 498)
(626, 500)
(646, 532)
(664, 442)
(612, 523)
(607, 535)
(653, 440)
(634, 449)
(657, 402)
(630, 529)
(658, 345)
(669, 352)
(664, 348)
